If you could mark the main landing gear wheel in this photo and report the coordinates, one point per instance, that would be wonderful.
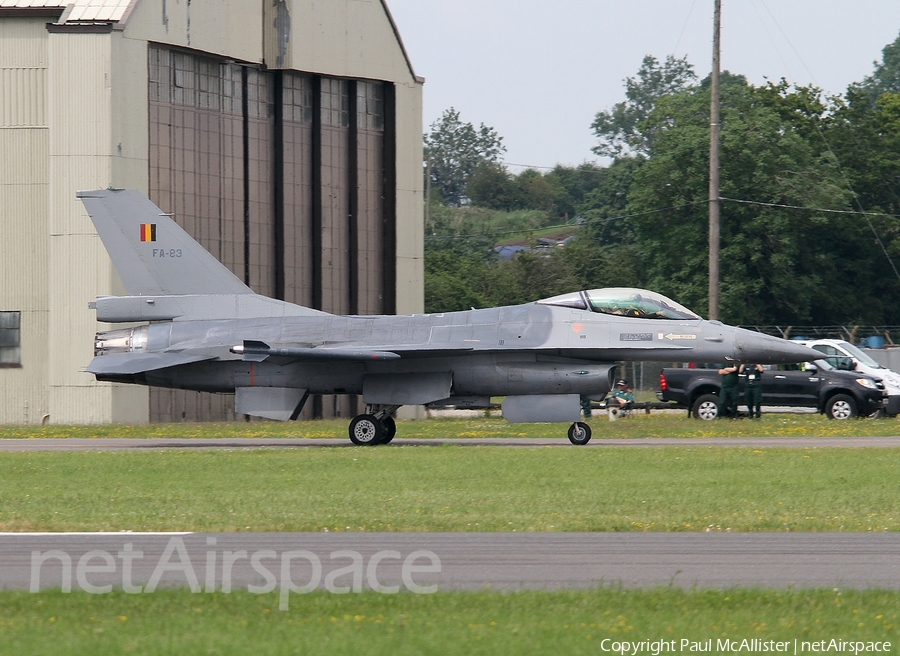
(579, 433)
(366, 430)
(390, 429)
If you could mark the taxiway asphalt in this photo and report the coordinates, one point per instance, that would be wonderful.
(451, 561)
(138, 444)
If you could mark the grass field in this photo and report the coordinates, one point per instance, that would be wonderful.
(638, 425)
(449, 488)
(178, 622)
(453, 488)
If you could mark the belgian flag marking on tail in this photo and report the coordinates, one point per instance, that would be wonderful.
(148, 232)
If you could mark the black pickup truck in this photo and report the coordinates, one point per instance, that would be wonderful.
(838, 394)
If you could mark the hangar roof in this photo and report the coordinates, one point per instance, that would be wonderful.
(94, 12)
(79, 10)
(105, 12)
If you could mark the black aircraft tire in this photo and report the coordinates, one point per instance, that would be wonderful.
(706, 407)
(390, 429)
(579, 433)
(840, 406)
(366, 430)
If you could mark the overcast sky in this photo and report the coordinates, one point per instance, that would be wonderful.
(537, 72)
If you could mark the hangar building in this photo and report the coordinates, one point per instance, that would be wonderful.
(284, 135)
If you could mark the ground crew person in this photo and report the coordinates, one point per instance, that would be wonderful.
(622, 395)
(586, 406)
(753, 388)
(728, 402)
(619, 399)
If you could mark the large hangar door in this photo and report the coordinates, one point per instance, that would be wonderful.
(211, 145)
(287, 178)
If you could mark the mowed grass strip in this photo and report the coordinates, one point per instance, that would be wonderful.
(453, 488)
(658, 424)
(569, 622)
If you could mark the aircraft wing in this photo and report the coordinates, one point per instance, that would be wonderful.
(135, 363)
(258, 351)
(406, 350)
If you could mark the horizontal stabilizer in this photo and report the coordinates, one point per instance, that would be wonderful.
(135, 363)
(199, 307)
(256, 351)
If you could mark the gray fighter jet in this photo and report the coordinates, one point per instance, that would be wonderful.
(210, 332)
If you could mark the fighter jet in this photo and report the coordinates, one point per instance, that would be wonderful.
(209, 331)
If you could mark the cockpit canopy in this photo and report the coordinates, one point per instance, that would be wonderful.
(623, 302)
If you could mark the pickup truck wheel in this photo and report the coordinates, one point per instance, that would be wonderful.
(706, 407)
(840, 406)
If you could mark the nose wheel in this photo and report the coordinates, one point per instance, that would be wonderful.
(579, 433)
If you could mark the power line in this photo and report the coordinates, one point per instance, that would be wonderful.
(833, 154)
(790, 43)
(667, 209)
(856, 199)
(684, 27)
(809, 209)
(574, 169)
(572, 225)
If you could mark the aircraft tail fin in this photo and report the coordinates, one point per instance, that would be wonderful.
(152, 254)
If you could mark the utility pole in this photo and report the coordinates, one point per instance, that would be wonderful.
(428, 195)
(714, 169)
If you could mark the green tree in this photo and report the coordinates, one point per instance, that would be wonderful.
(572, 185)
(621, 129)
(885, 77)
(558, 192)
(453, 150)
(608, 201)
(778, 265)
(490, 185)
(535, 191)
(454, 280)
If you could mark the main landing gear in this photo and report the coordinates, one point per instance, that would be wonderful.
(375, 426)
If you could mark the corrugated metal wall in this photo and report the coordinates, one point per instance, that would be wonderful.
(372, 232)
(197, 173)
(214, 162)
(81, 112)
(297, 148)
(24, 172)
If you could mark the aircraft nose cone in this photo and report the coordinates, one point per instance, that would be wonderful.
(750, 346)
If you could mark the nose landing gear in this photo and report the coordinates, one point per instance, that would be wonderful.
(375, 426)
(579, 433)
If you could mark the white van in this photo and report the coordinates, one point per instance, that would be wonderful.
(843, 355)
